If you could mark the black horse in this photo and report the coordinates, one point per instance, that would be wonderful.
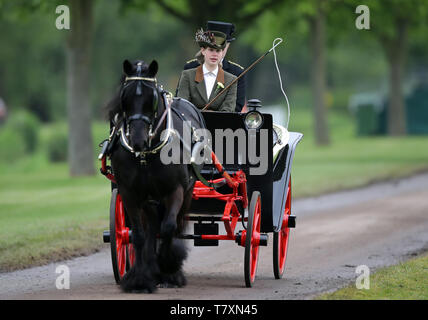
(156, 195)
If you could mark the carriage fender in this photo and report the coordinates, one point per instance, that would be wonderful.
(281, 178)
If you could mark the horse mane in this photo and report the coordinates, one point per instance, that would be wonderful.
(112, 107)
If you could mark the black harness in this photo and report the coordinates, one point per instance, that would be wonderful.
(120, 131)
(123, 131)
(141, 81)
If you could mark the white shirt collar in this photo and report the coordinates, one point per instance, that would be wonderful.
(205, 70)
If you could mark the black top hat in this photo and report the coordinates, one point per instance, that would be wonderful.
(225, 27)
(212, 39)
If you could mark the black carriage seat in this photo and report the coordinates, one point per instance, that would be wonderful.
(281, 138)
(275, 136)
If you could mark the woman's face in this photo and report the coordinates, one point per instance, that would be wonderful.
(212, 56)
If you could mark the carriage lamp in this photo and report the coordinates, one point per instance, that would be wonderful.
(253, 120)
(253, 104)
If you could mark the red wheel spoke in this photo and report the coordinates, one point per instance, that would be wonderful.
(121, 255)
(131, 253)
(281, 239)
(252, 239)
(119, 239)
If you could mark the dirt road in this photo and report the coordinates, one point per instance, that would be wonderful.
(375, 226)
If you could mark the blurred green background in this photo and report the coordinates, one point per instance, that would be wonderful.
(359, 96)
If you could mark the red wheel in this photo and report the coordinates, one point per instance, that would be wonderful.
(130, 256)
(252, 239)
(281, 239)
(130, 253)
(118, 236)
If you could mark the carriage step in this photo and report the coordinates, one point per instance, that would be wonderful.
(292, 221)
(205, 228)
(106, 236)
(263, 239)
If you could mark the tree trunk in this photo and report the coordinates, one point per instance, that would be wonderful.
(318, 75)
(80, 146)
(396, 53)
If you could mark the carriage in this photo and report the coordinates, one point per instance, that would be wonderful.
(236, 192)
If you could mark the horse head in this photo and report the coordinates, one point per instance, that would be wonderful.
(140, 100)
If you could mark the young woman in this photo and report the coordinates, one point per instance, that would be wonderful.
(200, 85)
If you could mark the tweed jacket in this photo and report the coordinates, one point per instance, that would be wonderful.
(192, 88)
(234, 69)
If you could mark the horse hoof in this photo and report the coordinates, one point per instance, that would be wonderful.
(139, 288)
(167, 285)
(176, 280)
(171, 256)
(138, 282)
(140, 291)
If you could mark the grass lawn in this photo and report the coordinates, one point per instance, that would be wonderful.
(351, 161)
(405, 281)
(45, 215)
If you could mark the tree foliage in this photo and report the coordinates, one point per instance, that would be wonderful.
(32, 59)
(392, 23)
(196, 13)
(307, 19)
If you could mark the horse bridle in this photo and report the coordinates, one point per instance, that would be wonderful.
(139, 116)
(141, 81)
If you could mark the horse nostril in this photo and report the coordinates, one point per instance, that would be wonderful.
(137, 140)
(137, 146)
(145, 145)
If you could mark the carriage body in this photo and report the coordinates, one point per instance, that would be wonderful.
(262, 200)
(272, 184)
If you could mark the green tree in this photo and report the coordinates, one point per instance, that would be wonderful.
(78, 53)
(79, 47)
(391, 23)
(195, 13)
(315, 14)
(32, 61)
(306, 20)
(243, 13)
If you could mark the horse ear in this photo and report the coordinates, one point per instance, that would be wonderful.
(127, 67)
(153, 68)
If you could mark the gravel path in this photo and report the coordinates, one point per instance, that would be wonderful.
(375, 226)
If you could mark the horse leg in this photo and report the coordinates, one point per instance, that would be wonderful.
(172, 251)
(143, 274)
(172, 204)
